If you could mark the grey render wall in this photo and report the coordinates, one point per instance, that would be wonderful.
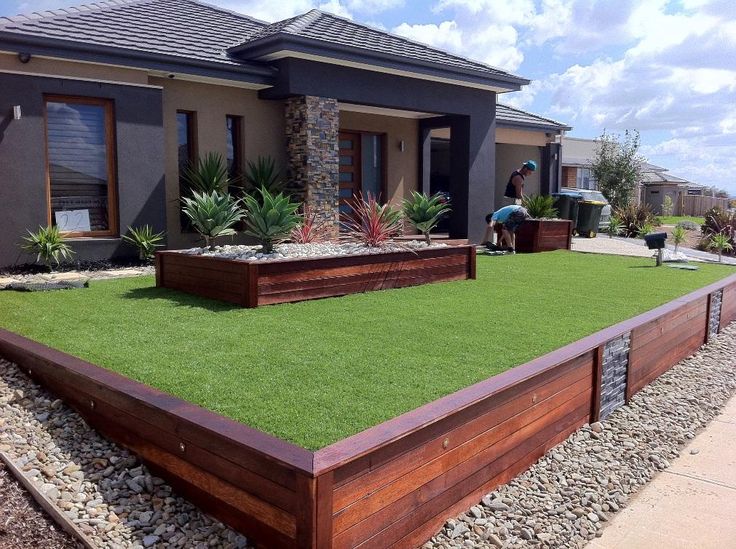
(139, 139)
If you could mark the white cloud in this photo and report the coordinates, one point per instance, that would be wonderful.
(446, 35)
(268, 10)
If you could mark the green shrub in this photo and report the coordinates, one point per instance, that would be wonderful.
(425, 212)
(540, 206)
(678, 236)
(722, 243)
(633, 218)
(207, 175)
(270, 218)
(145, 240)
(372, 223)
(614, 227)
(48, 244)
(667, 206)
(263, 174)
(212, 214)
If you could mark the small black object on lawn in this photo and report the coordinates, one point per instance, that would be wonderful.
(655, 241)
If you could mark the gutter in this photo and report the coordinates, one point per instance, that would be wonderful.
(69, 49)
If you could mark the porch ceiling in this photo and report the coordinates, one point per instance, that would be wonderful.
(383, 111)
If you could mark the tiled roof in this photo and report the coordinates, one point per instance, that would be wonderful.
(326, 27)
(513, 116)
(182, 28)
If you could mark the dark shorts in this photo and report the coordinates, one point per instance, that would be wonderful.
(515, 219)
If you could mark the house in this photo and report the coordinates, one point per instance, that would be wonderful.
(102, 106)
(520, 136)
(577, 158)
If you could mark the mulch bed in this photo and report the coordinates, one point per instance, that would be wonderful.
(23, 524)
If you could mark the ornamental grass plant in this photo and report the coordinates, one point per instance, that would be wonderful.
(372, 223)
(145, 240)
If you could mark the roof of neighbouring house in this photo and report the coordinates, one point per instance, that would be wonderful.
(193, 32)
(507, 115)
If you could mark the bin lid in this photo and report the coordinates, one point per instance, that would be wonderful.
(595, 202)
(566, 193)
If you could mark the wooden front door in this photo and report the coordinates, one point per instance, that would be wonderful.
(350, 169)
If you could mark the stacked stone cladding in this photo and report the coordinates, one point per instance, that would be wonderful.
(614, 369)
(714, 321)
(312, 133)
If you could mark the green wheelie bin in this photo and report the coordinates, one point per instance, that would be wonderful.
(589, 217)
(566, 205)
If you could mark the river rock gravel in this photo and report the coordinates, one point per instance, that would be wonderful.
(568, 496)
(317, 249)
(101, 487)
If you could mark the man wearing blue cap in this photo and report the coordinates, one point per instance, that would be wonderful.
(515, 187)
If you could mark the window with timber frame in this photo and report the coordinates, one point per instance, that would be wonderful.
(81, 184)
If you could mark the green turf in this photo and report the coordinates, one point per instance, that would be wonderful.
(675, 219)
(318, 371)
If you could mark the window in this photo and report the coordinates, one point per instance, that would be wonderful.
(81, 165)
(585, 179)
(185, 125)
(187, 155)
(234, 125)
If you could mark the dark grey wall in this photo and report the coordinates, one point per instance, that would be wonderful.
(140, 161)
(470, 113)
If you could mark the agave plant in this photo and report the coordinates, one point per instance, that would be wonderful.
(425, 212)
(309, 229)
(540, 206)
(720, 242)
(207, 175)
(263, 174)
(212, 214)
(48, 244)
(270, 218)
(145, 240)
(372, 223)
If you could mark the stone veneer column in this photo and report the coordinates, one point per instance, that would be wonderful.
(312, 133)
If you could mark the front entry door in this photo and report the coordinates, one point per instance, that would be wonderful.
(350, 169)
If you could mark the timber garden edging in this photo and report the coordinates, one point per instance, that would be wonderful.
(253, 283)
(394, 484)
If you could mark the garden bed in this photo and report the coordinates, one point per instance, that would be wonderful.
(253, 283)
(394, 483)
(544, 235)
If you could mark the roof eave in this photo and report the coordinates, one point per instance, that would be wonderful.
(270, 45)
(80, 51)
(550, 127)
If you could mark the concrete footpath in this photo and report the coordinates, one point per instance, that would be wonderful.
(690, 505)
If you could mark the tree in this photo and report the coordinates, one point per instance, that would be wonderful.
(617, 167)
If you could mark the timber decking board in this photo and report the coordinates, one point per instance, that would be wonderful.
(396, 530)
(254, 283)
(370, 513)
(379, 473)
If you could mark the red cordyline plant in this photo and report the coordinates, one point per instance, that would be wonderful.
(372, 223)
(310, 229)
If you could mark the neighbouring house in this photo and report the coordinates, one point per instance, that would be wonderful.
(577, 158)
(102, 105)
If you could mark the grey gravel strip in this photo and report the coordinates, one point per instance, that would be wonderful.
(565, 499)
(103, 489)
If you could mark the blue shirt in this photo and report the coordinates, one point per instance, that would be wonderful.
(503, 214)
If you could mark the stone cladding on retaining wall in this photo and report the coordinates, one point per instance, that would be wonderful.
(312, 132)
(615, 366)
(714, 321)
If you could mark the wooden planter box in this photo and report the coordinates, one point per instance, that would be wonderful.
(250, 284)
(395, 484)
(544, 235)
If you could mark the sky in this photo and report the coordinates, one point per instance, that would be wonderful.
(666, 68)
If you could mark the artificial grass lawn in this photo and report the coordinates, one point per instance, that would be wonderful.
(675, 219)
(318, 371)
